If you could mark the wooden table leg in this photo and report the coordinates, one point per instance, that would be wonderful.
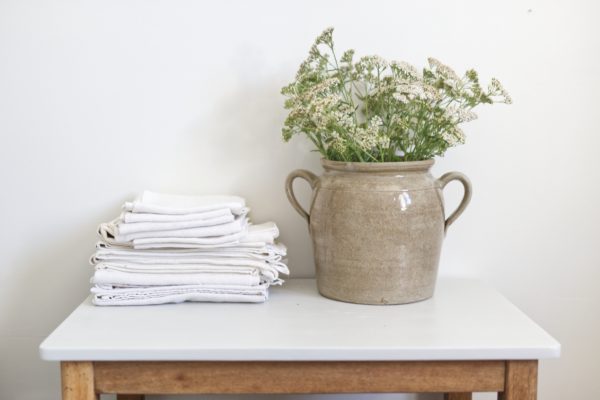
(130, 397)
(78, 380)
(458, 396)
(521, 381)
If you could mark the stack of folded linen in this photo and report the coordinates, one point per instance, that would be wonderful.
(172, 248)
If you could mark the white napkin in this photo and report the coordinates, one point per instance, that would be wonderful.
(269, 272)
(162, 203)
(131, 217)
(114, 296)
(181, 257)
(257, 236)
(248, 277)
(238, 226)
(104, 250)
(127, 228)
(188, 242)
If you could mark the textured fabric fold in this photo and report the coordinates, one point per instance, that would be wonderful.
(254, 236)
(239, 250)
(131, 217)
(162, 203)
(109, 231)
(272, 253)
(127, 228)
(248, 277)
(268, 271)
(131, 296)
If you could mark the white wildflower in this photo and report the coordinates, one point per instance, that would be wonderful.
(323, 88)
(431, 93)
(339, 144)
(496, 87)
(449, 138)
(460, 114)
(412, 91)
(375, 122)
(385, 86)
(396, 119)
(400, 97)
(406, 69)
(344, 119)
(325, 37)
(383, 141)
(442, 68)
(364, 139)
(460, 135)
(314, 52)
(454, 137)
(347, 56)
(466, 115)
(373, 62)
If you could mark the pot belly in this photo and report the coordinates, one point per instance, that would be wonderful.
(377, 247)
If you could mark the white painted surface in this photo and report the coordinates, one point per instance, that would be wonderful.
(465, 320)
(102, 99)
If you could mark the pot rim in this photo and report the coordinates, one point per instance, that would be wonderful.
(423, 165)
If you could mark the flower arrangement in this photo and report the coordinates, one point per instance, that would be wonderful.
(373, 110)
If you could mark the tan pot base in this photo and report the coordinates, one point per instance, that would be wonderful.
(381, 302)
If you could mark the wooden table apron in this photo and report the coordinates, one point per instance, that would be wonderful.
(131, 380)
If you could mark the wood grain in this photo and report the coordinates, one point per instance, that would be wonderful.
(130, 397)
(521, 380)
(77, 380)
(298, 377)
(458, 396)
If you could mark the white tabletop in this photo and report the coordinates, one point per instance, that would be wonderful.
(465, 320)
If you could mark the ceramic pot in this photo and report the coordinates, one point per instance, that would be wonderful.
(377, 228)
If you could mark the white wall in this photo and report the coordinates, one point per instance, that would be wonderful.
(101, 99)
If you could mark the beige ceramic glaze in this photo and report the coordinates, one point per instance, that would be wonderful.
(377, 229)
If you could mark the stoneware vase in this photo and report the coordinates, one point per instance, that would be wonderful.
(377, 228)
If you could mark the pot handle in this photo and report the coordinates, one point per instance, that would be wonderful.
(462, 178)
(312, 180)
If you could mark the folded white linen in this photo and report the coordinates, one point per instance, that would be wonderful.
(138, 256)
(257, 236)
(114, 296)
(219, 233)
(270, 253)
(250, 277)
(131, 217)
(127, 228)
(162, 203)
(173, 269)
(105, 250)
(269, 272)
(187, 242)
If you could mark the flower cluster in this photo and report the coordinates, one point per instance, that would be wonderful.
(372, 110)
